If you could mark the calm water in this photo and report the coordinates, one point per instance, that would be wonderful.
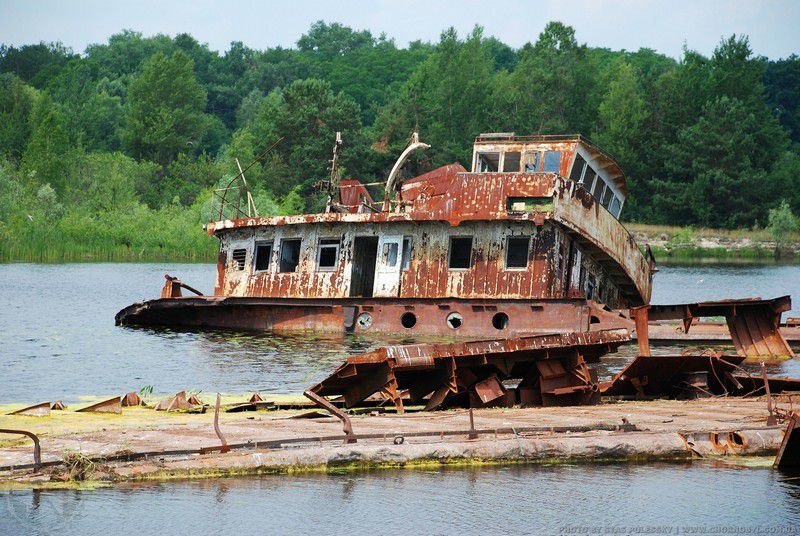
(58, 339)
(608, 499)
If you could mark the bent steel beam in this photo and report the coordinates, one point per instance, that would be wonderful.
(37, 450)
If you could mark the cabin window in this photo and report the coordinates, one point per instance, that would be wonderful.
(597, 191)
(531, 162)
(239, 257)
(588, 179)
(517, 252)
(328, 253)
(488, 162)
(263, 255)
(460, 252)
(577, 168)
(615, 207)
(552, 161)
(511, 162)
(406, 253)
(607, 195)
(290, 254)
(529, 204)
(390, 250)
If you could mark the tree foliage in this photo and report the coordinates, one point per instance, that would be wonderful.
(141, 128)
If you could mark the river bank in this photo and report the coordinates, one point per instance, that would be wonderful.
(142, 444)
(670, 243)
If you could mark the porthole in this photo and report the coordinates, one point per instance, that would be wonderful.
(500, 321)
(364, 320)
(408, 320)
(455, 320)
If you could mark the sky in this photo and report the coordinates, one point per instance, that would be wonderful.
(664, 25)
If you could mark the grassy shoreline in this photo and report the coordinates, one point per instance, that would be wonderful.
(670, 243)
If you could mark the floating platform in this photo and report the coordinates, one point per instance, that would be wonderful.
(144, 444)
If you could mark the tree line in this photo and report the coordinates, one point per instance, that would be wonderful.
(140, 130)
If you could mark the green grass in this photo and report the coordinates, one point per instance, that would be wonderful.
(140, 235)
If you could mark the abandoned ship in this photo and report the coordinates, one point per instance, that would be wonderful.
(526, 242)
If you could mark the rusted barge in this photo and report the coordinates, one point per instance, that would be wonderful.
(527, 242)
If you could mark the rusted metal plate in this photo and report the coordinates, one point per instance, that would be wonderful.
(112, 405)
(753, 323)
(179, 402)
(445, 374)
(132, 399)
(788, 456)
(37, 410)
(489, 389)
(674, 376)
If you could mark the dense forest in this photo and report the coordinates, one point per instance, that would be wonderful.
(114, 152)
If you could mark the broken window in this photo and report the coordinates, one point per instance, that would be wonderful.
(328, 254)
(290, 254)
(406, 253)
(390, 250)
(488, 162)
(517, 251)
(590, 287)
(552, 162)
(531, 162)
(239, 257)
(263, 255)
(460, 252)
(529, 204)
(577, 168)
(511, 162)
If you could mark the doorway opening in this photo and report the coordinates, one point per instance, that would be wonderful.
(362, 278)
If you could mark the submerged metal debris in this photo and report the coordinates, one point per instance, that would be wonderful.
(537, 370)
(676, 376)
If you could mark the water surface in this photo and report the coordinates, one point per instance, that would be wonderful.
(600, 499)
(58, 339)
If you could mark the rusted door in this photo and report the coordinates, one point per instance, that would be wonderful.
(387, 267)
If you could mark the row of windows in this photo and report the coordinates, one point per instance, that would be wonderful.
(327, 255)
(459, 254)
(585, 175)
(516, 161)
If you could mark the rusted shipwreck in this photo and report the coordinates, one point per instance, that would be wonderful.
(528, 242)
(525, 252)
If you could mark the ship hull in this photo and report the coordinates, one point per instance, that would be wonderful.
(412, 317)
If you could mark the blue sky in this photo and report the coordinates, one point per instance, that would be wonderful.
(664, 25)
